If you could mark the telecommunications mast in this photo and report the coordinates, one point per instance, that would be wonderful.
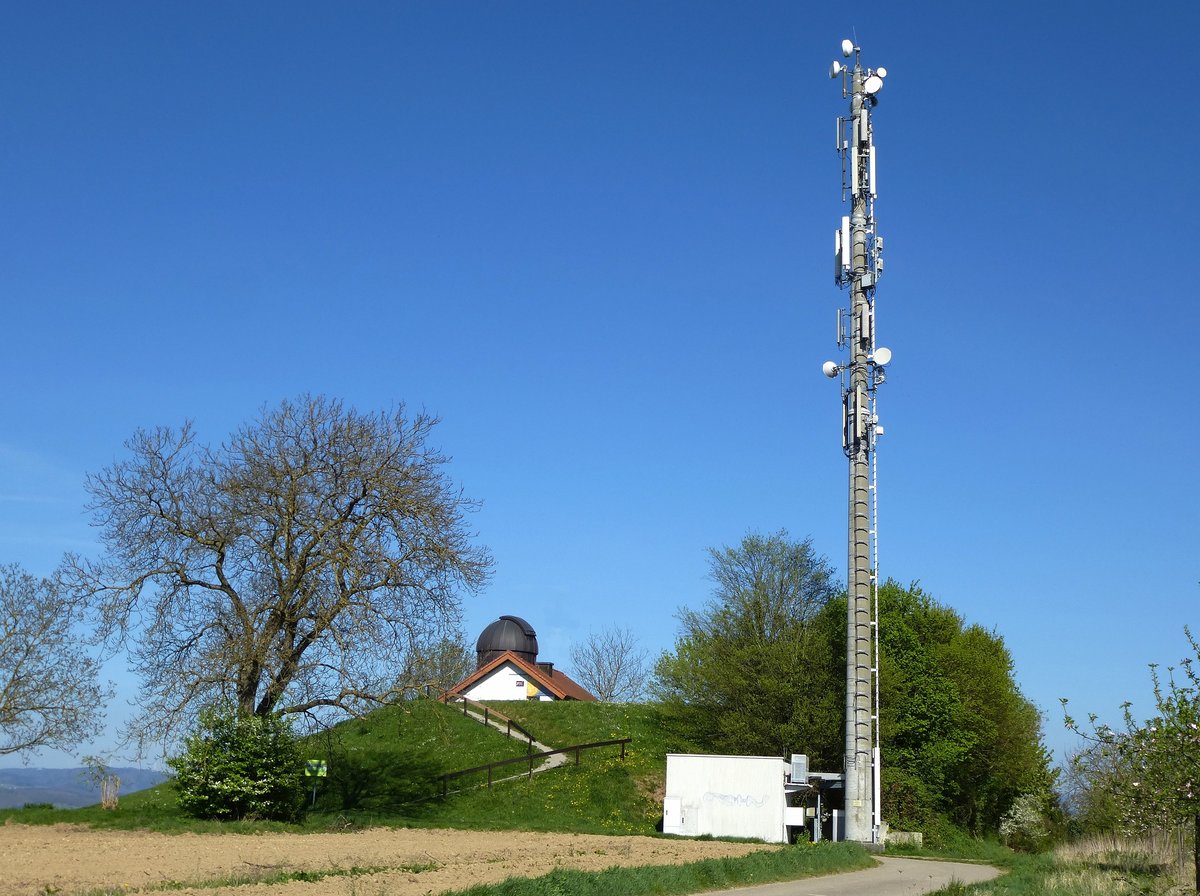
(858, 264)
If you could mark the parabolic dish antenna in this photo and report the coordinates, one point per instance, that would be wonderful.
(835, 69)
(847, 47)
(873, 84)
(882, 356)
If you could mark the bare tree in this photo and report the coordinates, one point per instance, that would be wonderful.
(290, 570)
(440, 666)
(611, 665)
(50, 694)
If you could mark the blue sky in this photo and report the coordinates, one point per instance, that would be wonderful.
(595, 239)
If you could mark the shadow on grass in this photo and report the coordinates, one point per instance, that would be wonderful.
(378, 783)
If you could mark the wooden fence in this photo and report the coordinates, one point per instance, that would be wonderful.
(529, 761)
(490, 715)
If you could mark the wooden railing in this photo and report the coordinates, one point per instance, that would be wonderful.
(489, 715)
(529, 760)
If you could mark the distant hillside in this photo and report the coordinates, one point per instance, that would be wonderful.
(66, 788)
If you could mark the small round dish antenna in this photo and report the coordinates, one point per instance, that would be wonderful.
(830, 369)
(835, 69)
(882, 356)
(847, 47)
(881, 71)
(873, 84)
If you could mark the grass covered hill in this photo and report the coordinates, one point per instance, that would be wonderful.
(385, 769)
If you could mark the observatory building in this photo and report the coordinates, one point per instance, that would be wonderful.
(507, 668)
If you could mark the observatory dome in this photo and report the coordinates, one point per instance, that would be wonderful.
(507, 633)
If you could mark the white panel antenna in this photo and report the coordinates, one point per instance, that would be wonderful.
(846, 242)
(854, 171)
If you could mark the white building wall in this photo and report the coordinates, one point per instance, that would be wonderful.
(506, 682)
(725, 796)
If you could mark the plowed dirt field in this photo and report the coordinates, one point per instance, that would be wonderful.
(70, 861)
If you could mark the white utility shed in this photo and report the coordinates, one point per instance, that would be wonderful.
(726, 796)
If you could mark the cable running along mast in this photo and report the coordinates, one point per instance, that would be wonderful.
(858, 264)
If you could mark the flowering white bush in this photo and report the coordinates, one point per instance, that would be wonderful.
(240, 767)
(1023, 826)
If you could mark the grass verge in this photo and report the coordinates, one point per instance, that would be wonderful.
(788, 863)
(1123, 868)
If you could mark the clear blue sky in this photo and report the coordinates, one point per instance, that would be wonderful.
(595, 238)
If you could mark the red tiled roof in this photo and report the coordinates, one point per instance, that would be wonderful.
(553, 682)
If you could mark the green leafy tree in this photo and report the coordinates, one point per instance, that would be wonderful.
(237, 767)
(291, 569)
(958, 738)
(762, 669)
(50, 691)
(737, 679)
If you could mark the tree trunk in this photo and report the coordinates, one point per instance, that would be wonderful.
(1196, 849)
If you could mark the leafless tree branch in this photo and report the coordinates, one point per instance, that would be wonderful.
(291, 568)
(611, 665)
(50, 695)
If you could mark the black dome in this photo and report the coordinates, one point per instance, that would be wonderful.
(507, 633)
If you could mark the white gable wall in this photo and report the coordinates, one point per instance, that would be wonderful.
(506, 682)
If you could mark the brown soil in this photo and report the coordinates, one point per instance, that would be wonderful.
(70, 860)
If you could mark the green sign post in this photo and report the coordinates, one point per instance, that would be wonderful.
(316, 769)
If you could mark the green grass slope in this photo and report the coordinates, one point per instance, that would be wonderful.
(388, 763)
(602, 794)
(384, 769)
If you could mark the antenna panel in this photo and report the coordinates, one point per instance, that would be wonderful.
(864, 130)
(853, 170)
(841, 329)
(845, 253)
(837, 257)
(871, 163)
